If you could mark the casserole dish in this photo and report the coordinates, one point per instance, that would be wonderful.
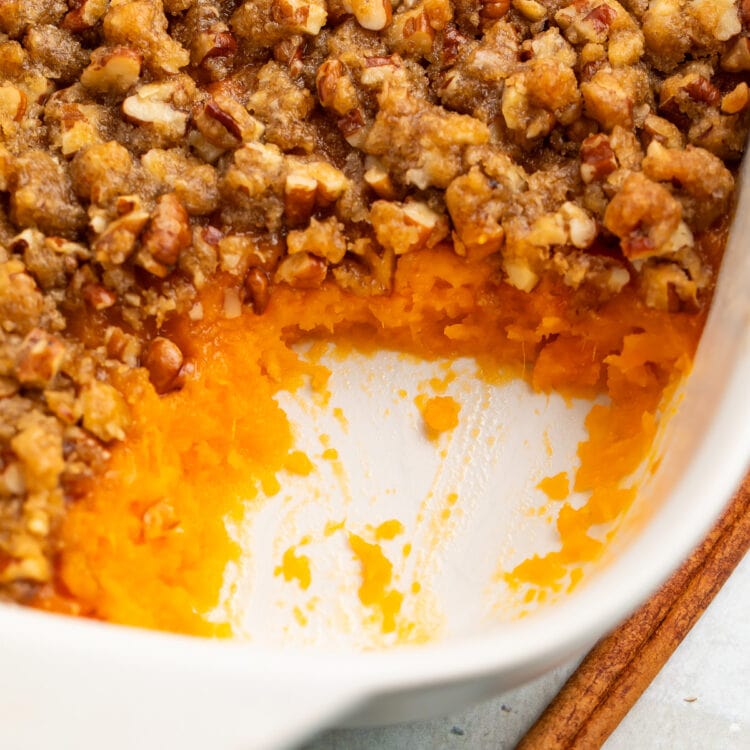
(225, 187)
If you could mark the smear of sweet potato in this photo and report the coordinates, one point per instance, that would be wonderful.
(440, 413)
(148, 544)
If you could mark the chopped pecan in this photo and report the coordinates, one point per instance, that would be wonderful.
(493, 10)
(600, 19)
(39, 446)
(300, 191)
(225, 123)
(607, 23)
(597, 158)
(644, 215)
(155, 105)
(116, 240)
(475, 203)
(164, 360)
(122, 346)
(611, 97)
(702, 90)
(302, 271)
(325, 239)
(300, 16)
(351, 124)
(405, 227)
(112, 70)
(335, 88)
(412, 33)
(377, 177)
(13, 103)
(570, 225)
(703, 183)
(370, 14)
(736, 100)
(736, 59)
(544, 93)
(290, 52)
(309, 185)
(213, 38)
(39, 358)
(64, 405)
(98, 296)
(84, 14)
(718, 18)
(530, 9)
(519, 273)
(105, 412)
(257, 290)
(166, 236)
(667, 133)
(21, 302)
(101, 172)
(210, 44)
(142, 24)
(453, 40)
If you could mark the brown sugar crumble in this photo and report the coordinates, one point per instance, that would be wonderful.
(148, 148)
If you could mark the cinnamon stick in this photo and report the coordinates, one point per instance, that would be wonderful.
(621, 666)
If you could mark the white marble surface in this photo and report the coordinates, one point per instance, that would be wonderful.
(699, 701)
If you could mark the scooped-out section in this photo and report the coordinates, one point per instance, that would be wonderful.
(402, 532)
(339, 467)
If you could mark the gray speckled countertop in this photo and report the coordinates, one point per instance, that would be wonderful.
(700, 700)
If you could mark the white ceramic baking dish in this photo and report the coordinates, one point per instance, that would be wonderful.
(74, 684)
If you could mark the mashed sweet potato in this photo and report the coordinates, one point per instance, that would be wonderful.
(148, 544)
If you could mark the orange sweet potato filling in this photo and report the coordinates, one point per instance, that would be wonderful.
(148, 544)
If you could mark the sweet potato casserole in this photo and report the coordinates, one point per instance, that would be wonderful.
(189, 186)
